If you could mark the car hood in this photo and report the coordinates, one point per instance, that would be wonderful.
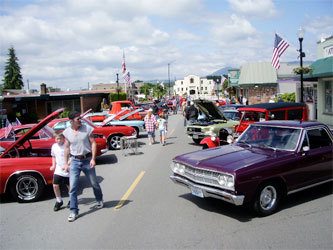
(33, 131)
(209, 109)
(227, 158)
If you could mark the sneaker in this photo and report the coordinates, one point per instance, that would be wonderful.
(68, 204)
(72, 217)
(57, 206)
(100, 204)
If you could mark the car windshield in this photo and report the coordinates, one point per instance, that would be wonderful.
(231, 115)
(280, 138)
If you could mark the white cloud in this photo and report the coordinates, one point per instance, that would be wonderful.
(257, 8)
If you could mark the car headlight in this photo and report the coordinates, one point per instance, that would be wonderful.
(226, 181)
(177, 168)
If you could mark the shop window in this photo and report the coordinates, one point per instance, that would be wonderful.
(328, 97)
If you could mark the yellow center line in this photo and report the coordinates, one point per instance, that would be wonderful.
(130, 190)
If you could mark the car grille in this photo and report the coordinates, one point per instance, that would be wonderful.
(192, 129)
(202, 176)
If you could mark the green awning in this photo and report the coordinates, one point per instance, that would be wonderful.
(322, 68)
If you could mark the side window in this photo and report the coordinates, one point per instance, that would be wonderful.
(319, 138)
(295, 114)
(276, 115)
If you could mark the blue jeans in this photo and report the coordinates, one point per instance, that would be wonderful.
(74, 175)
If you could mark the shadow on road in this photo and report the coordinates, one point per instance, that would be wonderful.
(245, 213)
(92, 203)
(107, 159)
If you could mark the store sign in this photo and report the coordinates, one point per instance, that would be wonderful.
(328, 51)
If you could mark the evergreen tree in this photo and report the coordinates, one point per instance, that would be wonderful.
(12, 78)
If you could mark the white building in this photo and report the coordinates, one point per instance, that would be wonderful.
(196, 87)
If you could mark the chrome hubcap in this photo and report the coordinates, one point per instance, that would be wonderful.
(268, 197)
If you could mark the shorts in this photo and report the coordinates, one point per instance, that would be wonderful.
(151, 133)
(59, 180)
(162, 132)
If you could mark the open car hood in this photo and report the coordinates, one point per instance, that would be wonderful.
(33, 131)
(209, 109)
(111, 117)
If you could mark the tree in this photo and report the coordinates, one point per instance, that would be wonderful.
(12, 77)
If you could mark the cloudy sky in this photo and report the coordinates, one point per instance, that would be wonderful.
(73, 43)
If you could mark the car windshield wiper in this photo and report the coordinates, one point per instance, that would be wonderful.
(262, 145)
(245, 143)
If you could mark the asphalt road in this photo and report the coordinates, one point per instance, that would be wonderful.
(145, 210)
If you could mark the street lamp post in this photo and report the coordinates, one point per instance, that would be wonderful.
(117, 81)
(301, 55)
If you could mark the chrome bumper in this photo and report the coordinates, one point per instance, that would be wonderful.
(210, 191)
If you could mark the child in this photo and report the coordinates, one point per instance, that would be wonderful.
(61, 176)
(162, 127)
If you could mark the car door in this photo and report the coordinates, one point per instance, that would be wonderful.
(316, 163)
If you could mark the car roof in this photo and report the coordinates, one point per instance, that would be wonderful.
(287, 123)
(274, 105)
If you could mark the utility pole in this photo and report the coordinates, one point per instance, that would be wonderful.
(169, 77)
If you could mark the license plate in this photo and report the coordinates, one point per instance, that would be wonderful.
(195, 137)
(197, 192)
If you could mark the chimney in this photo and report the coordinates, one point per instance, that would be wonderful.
(43, 89)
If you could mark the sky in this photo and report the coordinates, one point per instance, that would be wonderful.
(72, 44)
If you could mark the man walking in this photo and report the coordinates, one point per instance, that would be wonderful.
(80, 146)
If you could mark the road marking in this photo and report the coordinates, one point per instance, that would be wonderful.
(130, 190)
(173, 130)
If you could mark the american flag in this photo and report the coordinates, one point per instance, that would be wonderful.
(127, 77)
(280, 46)
(123, 65)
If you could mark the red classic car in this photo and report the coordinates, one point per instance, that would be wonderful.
(112, 133)
(24, 170)
(126, 107)
(271, 111)
(269, 160)
(42, 140)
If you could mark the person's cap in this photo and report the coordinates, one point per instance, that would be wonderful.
(72, 115)
(192, 103)
(150, 110)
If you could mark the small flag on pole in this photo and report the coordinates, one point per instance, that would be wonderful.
(280, 46)
(127, 77)
(8, 129)
(123, 65)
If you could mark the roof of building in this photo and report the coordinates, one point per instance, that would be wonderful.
(258, 73)
(322, 67)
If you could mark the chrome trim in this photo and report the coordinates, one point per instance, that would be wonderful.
(210, 191)
(20, 172)
(310, 186)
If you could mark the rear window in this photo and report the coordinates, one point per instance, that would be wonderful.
(276, 115)
(253, 116)
(295, 114)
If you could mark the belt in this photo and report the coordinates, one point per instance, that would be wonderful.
(81, 157)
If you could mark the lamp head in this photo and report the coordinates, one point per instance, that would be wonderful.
(300, 33)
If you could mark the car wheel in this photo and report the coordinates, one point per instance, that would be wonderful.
(27, 187)
(114, 142)
(267, 199)
(196, 141)
(205, 146)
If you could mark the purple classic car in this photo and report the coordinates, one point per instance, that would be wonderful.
(268, 161)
